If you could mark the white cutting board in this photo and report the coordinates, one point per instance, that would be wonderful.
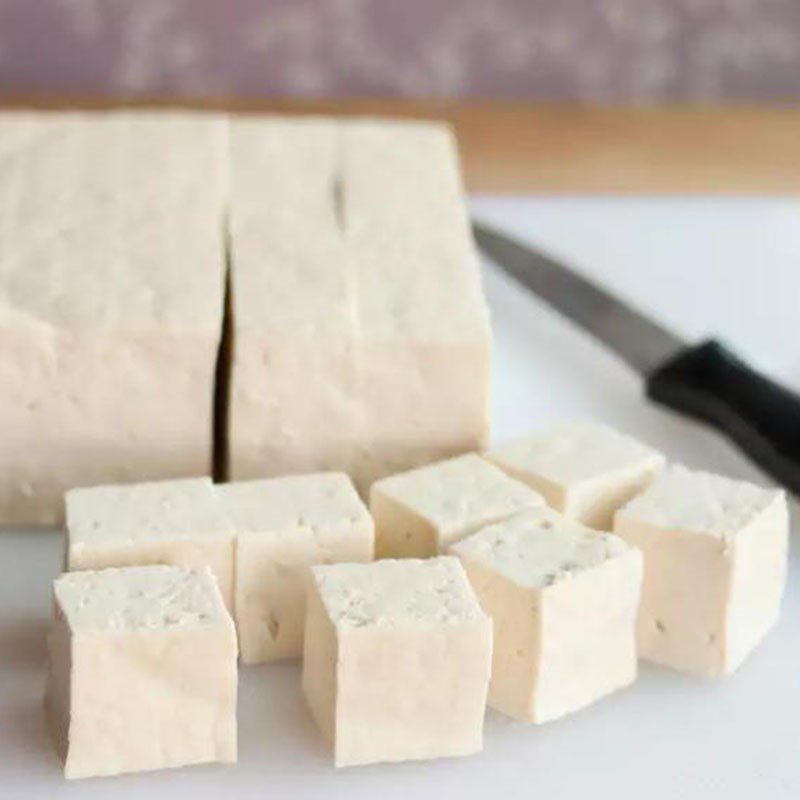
(731, 267)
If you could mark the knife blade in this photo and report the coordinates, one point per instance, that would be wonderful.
(705, 381)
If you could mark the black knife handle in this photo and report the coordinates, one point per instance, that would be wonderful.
(710, 383)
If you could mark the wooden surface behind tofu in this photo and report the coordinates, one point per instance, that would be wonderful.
(526, 148)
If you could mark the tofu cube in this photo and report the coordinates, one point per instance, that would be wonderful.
(563, 600)
(584, 470)
(419, 513)
(715, 554)
(142, 671)
(283, 526)
(180, 523)
(397, 659)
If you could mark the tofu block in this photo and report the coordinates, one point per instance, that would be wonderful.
(283, 526)
(142, 671)
(420, 512)
(111, 299)
(563, 600)
(396, 660)
(715, 554)
(371, 215)
(179, 523)
(584, 470)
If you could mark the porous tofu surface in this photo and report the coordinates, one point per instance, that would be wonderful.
(142, 671)
(459, 494)
(575, 451)
(397, 658)
(389, 381)
(283, 526)
(320, 502)
(373, 189)
(403, 209)
(138, 599)
(563, 599)
(583, 469)
(112, 276)
(539, 548)
(682, 499)
(397, 593)
(113, 221)
(141, 511)
(715, 553)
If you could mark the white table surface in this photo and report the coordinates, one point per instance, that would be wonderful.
(728, 267)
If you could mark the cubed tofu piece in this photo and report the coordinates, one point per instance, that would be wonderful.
(563, 600)
(419, 513)
(715, 554)
(111, 299)
(584, 470)
(179, 523)
(284, 525)
(142, 671)
(371, 214)
(396, 660)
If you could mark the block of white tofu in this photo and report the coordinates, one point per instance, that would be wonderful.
(361, 335)
(396, 660)
(563, 599)
(179, 523)
(111, 299)
(715, 554)
(420, 512)
(142, 671)
(584, 470)
(283, 526)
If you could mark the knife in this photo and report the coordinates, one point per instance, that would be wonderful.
(705, 381)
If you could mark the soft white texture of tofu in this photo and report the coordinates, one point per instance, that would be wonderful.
(284, 525)
(715, 555)
(396, 660)
(420, 512)
(583, 469)
(563, 600)
(111, 298)
(180, 523)
(142, 671)
(393, 343)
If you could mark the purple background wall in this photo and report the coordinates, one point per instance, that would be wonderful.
(587, 50)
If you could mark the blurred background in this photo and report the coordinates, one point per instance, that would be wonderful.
(614, 51)
(547, 96)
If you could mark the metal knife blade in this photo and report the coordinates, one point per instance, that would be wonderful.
(642, 342)
(705, 381)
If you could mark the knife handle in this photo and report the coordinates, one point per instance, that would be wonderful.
(710, 383)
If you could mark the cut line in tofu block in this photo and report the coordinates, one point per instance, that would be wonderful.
(179, 523)
(361, 337)
(584, 470)
(111, 299)
(283, 526)
(420, 512)
(715, 553)
(396, 660)
(142, 671)
(563, 600)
